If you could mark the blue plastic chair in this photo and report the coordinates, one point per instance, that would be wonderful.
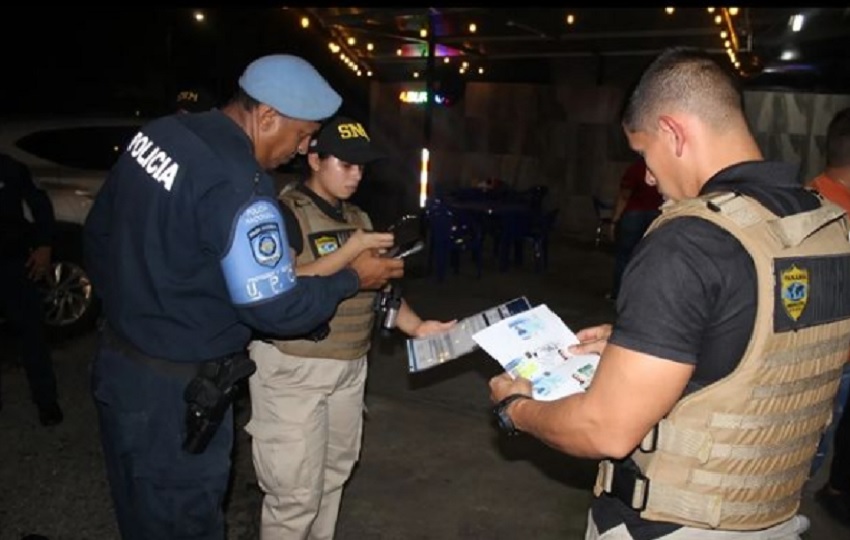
(536, 196)
(538, 234)
(450, 234)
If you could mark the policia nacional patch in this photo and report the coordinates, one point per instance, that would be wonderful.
(800, 299)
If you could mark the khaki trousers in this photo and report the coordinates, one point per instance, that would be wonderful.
(787, 530)
(307, 426)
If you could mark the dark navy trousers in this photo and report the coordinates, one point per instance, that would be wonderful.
(159, 491)
(21, 304)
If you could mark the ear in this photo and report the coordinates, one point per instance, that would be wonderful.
(267, 115)
(313, 160)
(673, 131)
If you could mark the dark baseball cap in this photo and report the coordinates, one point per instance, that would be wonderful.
(194, 99)
(346, 139)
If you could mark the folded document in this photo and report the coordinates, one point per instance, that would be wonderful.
(530, 345)
(427, 352)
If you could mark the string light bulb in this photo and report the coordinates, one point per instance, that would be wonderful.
(305, 22)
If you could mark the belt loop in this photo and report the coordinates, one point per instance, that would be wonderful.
(651, 440)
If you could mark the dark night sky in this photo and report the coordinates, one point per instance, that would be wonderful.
(117, 60)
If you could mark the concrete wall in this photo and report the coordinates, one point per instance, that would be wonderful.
(565, 135)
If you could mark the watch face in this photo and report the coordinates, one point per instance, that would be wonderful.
(503, 420)
(501, 411)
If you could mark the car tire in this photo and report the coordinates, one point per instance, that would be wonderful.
(70, 307)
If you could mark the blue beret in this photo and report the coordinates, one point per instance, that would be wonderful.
(292, 86)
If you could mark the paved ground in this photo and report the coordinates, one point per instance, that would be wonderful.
(432, 467)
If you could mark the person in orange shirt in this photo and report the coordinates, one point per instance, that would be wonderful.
(834, 184)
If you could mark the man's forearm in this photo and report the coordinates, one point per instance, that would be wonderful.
(565, 425)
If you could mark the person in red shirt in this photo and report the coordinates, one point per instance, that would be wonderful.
(637, 205)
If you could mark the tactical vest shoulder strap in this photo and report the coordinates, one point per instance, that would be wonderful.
(792, 230)
(293, 198)
(355, 216)
(745, 212)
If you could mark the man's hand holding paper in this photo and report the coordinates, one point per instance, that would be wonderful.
(532, 345)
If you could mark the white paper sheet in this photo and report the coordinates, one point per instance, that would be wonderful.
(530, 345)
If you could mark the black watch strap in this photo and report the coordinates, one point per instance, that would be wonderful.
(500, 410)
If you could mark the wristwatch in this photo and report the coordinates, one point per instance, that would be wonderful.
(501, 412)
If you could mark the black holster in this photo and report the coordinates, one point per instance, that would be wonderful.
(209, 395)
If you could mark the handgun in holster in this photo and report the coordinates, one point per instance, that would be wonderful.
(209, 395)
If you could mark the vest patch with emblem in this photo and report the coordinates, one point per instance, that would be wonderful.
(794, 286)
(325, 244)
(800, 298)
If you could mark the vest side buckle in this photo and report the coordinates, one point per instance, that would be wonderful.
(629, 485)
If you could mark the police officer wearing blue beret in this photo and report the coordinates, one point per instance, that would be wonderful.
(189, 253)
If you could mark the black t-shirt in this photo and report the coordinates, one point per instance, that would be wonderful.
(689, 295)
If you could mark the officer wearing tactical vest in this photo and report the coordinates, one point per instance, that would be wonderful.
(188, 250)
(718, 376)
(307, 395)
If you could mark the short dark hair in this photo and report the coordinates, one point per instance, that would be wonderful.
(242, 98)
(838, 140)
(689, 79)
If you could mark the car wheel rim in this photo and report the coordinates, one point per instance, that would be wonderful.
(69, 297)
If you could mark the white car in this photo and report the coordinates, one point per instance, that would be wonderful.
(69, 159)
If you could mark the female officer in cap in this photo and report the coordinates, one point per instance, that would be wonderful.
(307, 396)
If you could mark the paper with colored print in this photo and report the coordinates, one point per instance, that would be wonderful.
(529, 345)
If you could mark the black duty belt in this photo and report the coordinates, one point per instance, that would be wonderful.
(113, 341)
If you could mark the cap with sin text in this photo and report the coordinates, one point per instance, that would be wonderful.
(347, 140)
(194, 99)
(292, 86)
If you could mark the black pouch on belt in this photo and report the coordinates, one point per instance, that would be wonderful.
(209, 395)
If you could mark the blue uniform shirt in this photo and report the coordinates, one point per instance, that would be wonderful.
(187, 249)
